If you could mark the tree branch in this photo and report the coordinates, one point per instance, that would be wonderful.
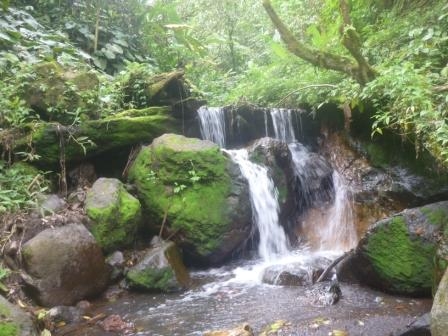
(352, 42)
(358, 68)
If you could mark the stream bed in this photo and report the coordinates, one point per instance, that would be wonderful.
(229, 296)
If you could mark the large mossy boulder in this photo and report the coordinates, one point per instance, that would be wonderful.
(439, 311)
(199, 191)
(115, 214)
(63, 266)
(15, 322)
(404, 254)
(56, 93)
(161, 269)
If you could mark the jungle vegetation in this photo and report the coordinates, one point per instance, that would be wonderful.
(388, 55)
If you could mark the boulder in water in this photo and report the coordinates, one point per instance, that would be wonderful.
(403, 254)
(114, 212)
(198, 191)
(161, 269)
(295, 274)
(64, 265)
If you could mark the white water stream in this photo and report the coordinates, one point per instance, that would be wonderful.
(336, 233)
(273, 241)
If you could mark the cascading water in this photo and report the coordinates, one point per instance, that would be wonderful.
(212, 124)
(335, 230)
(273, 241)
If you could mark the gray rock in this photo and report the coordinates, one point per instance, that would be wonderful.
(64, 265)
(116, 263)
(51, 204)
(161, 269)
(439, 311)
(13, 319)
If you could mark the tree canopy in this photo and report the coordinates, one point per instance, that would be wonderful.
(388, 54)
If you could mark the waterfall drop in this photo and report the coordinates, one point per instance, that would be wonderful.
(212, 124)
(273, 241)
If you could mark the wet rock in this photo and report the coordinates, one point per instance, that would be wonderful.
(14, 321)
(419, 327)
(405, 253)
(63, 265)
(275, 155)
(114, 323)
(116, 263)
(439, 310)
(295, 274)
(243, 330)
(199, 191)
(161, 269)
(115, 214)
(67, 314)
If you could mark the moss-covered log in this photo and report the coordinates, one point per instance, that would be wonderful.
(44, 140)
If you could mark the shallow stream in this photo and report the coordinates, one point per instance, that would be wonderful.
(229, 296)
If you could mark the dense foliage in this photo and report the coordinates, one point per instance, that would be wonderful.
(231, 52)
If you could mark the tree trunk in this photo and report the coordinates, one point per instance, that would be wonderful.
(357, 68)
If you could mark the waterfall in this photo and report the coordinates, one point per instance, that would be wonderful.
(331, 227)
(282, 123)
(213, 124)
(265, 209)
(339, 234)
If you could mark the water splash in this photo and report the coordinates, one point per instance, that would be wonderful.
(273, 241)
(212, 123)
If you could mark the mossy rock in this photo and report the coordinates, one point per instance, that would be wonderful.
(404, 254)
(56, 93)
(116, 132)
(13, 321)
(115, 214)
(199, 190)
(161, 269)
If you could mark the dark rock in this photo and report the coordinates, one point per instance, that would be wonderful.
(439, 310)
(419, 327)
(275, 155)
(210, 215)
(82, 176)
(404, 254)
(64, 265)
(161, 269)
(116, 214)
(14, 321)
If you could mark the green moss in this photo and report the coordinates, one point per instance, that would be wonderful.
(437, 216)
(106, 134)
(199, 211)
(115, 225)
(8, 329)
(405, 262)
(152, 279)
